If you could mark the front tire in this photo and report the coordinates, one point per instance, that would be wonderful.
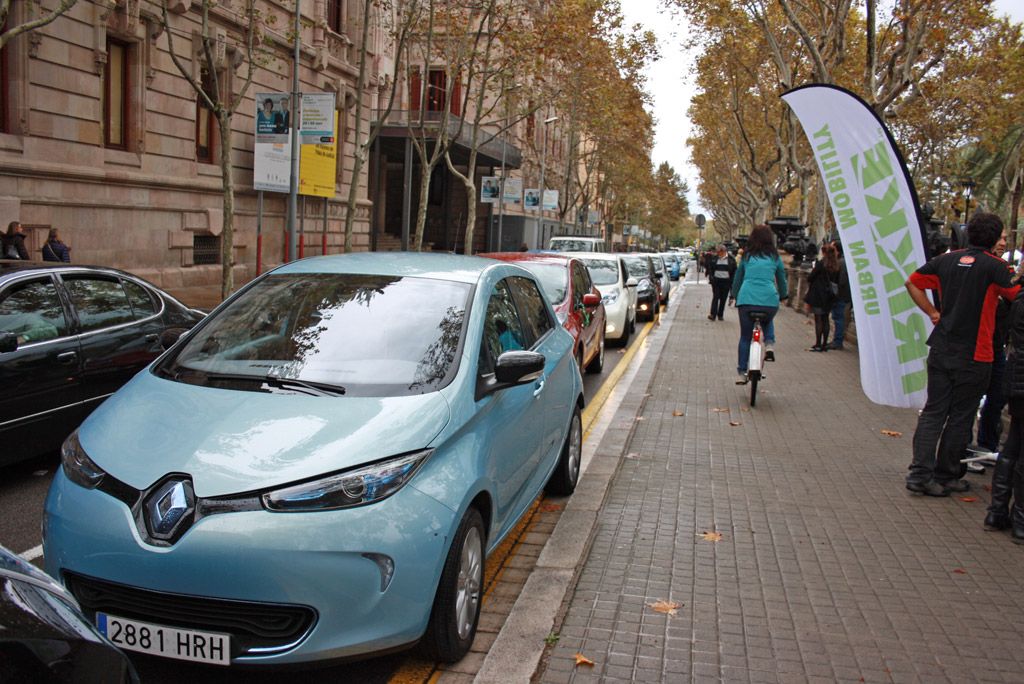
(456, 611)
(567, 473)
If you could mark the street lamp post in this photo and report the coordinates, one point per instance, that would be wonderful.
(543, 161)
(968, 185)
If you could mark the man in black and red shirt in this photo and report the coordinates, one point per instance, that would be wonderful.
(969, 282)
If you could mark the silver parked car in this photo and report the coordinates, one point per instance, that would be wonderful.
(618, 292)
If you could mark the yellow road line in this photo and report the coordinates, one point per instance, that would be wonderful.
(595, 404)
(417, 671)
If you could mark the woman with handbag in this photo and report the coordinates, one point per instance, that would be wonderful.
(823, 286)
(54, 249)
(14, 242)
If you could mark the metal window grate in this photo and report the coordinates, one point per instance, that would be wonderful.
(205, 249)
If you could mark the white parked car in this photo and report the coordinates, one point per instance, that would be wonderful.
(618, 292)
(577, 243)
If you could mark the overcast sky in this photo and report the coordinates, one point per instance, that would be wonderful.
(670, 81)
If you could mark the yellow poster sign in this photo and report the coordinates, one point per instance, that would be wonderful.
(318, 166)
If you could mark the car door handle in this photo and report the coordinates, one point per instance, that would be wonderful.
(539, 387)
(67, 358)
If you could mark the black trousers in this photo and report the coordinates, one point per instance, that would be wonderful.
(954, 392)
(719, 295)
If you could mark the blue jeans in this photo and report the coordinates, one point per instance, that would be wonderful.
(747, 330)
(839, 320)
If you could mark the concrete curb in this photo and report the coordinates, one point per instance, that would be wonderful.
(520, 644)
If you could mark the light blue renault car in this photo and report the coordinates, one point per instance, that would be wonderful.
(319, 469)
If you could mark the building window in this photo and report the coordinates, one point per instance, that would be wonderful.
(205, 249)
(204, 122)
(335, 10)
(115, 101)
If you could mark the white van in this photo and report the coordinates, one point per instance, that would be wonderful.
(577, 243)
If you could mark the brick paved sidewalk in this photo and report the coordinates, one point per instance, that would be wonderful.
(828, 569)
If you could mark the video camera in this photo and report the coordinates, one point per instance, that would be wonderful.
(955, 238)
(791, 235)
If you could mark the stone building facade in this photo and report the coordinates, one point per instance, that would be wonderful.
(103, 138)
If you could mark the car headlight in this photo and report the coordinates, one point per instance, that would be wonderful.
(610, 297)
(77, 465)
(351, 488)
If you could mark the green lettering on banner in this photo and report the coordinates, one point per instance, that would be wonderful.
(900, 302)
(858, 249)
(889, 221)
(915, 382)
(877, 165)
(896, 271)
(912, 336)
(847, 218)
(823, 133)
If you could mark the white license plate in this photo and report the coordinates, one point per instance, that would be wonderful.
(170, 642)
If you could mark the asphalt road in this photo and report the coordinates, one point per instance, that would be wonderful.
(23, 488)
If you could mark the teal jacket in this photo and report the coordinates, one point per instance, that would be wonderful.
(760, 281)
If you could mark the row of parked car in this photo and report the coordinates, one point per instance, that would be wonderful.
(319, 468)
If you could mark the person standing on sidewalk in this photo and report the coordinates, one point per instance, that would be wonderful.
(960, 352)
(1008, 476)
(723, 269)
(759, 285)
(821, 293)
(842, 302)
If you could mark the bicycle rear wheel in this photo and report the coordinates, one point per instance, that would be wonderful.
(754, 378)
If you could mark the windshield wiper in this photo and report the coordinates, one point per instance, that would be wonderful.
(320, 389)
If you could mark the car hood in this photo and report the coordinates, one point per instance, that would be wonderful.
(233, 441)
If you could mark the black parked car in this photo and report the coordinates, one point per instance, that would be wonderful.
(648, 289)
(45, 638)
(69, 337)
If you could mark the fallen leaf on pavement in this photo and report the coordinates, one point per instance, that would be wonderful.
(959, 571)
(583, 660)
(892, 433)
(735, 423)
(721, 410)
(745, 410)
(551, 507)
(667, 607)
(968, 499)
(678, 413)
(639, 417)
(632, 456)
(711, 536)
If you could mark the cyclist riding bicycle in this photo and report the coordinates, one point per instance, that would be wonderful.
(759, 285)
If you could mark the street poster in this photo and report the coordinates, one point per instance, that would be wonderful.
(531, 200)
(550, 200)
(318, 166)
(316, 124)
(489, 189)
(877, 214)
(512, 191)
(272, 117)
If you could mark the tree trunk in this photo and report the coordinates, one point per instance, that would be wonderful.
(361, 149)
(421, 210)
(227, 280)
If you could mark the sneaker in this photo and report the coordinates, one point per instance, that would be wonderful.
(978, 450)
(742, 379)
(720, 318)
(957, 486)
(975, 467)
(711, 317)
(836, 347)
(769, 351)
(930, 488)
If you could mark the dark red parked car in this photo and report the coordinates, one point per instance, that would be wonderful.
(577, 303)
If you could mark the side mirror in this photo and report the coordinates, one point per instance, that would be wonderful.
(590, 299)
(632, 282)
(170, 336)
(518, 367)
(8, 342)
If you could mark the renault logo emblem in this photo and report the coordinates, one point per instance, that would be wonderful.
(169, 507)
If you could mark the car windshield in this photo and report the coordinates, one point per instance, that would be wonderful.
(572, 245)
(330, 334)
(637, 267)
(659, 265)
(603, 271)
(554, 279)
